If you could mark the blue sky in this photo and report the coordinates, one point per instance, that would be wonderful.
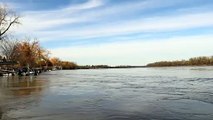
(118, 32)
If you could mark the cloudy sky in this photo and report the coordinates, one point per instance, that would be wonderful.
(119, 32)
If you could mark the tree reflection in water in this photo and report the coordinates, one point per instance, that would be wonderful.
(19, 88)
(22, 86)
(0, 113)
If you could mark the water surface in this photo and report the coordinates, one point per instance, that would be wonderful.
(110, 94)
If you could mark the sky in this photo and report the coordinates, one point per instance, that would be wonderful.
(118, 32)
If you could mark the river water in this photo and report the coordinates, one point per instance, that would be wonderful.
(173, 93)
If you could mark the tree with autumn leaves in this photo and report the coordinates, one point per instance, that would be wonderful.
(30, 53)
(63, 64)
(26, 52)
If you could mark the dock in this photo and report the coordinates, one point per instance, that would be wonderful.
(7, 72)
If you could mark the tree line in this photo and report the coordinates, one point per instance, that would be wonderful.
(26, 52)
(196, 61)
(29, 53)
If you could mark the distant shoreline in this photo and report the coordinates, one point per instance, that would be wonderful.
(107, 67)
(196, 61)
(142, 67)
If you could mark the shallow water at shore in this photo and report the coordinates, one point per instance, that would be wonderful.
(168, 93)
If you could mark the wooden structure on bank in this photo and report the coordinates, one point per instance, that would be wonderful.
(5, 63)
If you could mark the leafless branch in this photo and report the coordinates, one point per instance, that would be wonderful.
(8, 18)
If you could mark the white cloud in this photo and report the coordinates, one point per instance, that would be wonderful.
(154, 24)
(88, 5)
(140, 52)
(46, 24)
(34, 21)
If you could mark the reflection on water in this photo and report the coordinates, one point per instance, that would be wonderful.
(0, 113)
(22, 86)
(16, 91)
(110, 94)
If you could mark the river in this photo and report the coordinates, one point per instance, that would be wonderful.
(167, 93)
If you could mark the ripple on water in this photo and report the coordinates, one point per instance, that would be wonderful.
(112, 94)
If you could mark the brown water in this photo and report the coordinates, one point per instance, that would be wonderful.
(110, 94)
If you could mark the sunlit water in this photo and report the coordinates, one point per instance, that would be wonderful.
(110, 94)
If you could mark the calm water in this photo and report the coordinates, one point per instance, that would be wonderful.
(110, 94)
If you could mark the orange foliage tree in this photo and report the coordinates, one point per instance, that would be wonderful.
(55, 61)
(63, 64)
(31, 54)
(68, 65)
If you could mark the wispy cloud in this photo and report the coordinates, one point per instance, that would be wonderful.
(88, 5)
(146, 25)
(46, 24)
(33, 21)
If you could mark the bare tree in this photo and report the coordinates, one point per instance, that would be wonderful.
(8, 18)
(8, 48)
